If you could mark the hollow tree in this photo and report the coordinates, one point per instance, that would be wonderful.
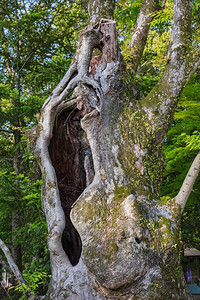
(101, 155)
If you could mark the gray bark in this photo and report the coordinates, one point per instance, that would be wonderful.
(14, 268)
(111, 191)
(97, 10)
(188, 183)
(16, 249)
(140, 33)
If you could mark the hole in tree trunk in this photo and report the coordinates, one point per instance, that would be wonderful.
(72, 159)
(138, 241)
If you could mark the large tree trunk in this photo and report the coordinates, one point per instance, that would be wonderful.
(100, 152)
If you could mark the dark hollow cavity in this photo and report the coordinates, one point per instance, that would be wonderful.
(72, 160)
(138, 241)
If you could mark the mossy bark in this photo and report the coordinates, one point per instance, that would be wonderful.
(113, 157)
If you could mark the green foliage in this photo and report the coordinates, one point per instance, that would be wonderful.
(36, 277)
(37, 42)
(126, 13)
(155, 53)
(154, 57)
(162, 19)
(183, 139)
(182, 145)
(190, 224)
(18, 193)
(196, 22)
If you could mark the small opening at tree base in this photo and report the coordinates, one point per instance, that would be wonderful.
(72, 160)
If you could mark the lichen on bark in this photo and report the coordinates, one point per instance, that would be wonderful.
(129, 237)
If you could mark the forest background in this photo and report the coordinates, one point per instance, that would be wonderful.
(37, 43)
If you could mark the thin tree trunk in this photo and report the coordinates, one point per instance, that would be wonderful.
(13, 266)
(188, 183)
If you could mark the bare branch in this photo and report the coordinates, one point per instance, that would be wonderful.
(139, 37)
(5, 264)
(13, 265)
(188, 183)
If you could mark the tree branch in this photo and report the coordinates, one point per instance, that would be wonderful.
(62, 85)
(176, 72)
(139, 37)
(165, 95)
(90, 38)
(38, 43)
(5, 264)
(188, 183)
(13, 265)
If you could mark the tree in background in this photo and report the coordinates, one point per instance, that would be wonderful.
(36, 46)
(182, 144)
(96, 143)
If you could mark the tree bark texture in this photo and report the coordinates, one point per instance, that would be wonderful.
(12, 265)
(100, 152)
